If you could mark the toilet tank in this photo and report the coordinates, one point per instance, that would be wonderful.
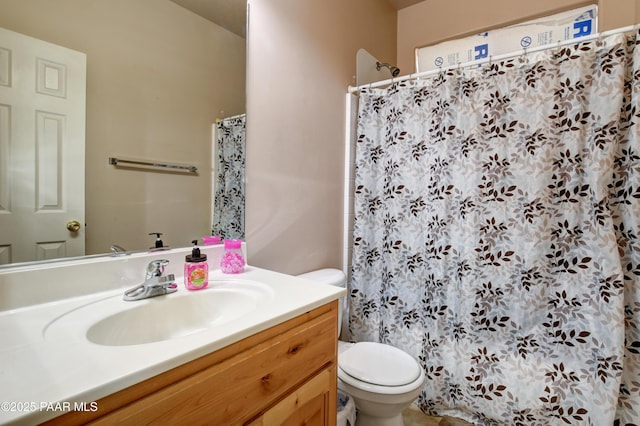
(330, 276)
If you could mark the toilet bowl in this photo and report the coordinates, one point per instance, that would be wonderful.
(381, 379)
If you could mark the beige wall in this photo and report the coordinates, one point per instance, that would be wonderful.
(301, 58)
(433, 21)
(157, 78)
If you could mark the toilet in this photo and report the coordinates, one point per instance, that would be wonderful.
(381, 379)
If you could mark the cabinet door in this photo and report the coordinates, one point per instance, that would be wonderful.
(307, 405)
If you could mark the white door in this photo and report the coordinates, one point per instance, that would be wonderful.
(42, 138)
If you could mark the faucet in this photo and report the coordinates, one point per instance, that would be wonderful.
(118, 250)
(155, 283)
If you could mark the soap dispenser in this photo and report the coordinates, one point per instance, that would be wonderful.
(196, 269)
(159, 245)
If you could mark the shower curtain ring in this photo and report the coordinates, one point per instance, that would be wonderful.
(556, 52)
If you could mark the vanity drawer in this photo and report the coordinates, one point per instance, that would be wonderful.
(307, 405)
(242, 386)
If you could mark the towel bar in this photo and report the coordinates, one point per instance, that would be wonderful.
(153, 164)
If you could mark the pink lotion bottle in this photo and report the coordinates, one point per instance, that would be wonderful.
(232, 261)
(196, 269)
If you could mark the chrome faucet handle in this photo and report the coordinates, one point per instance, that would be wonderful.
(156, 268)
(155, 283)
(155, 286)
(161, 285)
(117, 250)
(168, 281)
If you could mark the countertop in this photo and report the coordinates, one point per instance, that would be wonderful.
(42, 377)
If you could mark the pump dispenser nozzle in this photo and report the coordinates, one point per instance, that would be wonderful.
(159, 243)
(195, 254)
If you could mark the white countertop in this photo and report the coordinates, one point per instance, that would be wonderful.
(41, 376)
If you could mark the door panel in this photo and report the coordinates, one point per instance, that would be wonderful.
(42, 146)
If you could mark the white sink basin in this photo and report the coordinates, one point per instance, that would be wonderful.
(114, 322)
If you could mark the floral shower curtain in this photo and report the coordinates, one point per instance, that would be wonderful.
(229, 185)
(496, 234)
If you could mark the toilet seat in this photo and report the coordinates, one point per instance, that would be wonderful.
(378, 367)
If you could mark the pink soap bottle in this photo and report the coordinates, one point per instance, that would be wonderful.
(232, 261)
(196, 269)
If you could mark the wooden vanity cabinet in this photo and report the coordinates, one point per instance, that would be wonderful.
(285, 375)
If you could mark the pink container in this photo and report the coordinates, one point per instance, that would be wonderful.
(210, 240)
(232, 261)
(196, 275)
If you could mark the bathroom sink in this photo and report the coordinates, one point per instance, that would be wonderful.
(114, 322)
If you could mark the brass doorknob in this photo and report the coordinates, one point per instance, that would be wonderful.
(73, 226)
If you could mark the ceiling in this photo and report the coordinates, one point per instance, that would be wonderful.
(231, 14)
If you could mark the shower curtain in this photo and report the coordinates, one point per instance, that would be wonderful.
(229, 184)
(496, 234)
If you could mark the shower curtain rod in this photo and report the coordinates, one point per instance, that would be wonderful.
(510, 55)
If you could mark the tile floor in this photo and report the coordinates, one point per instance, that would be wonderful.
(414, 417)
